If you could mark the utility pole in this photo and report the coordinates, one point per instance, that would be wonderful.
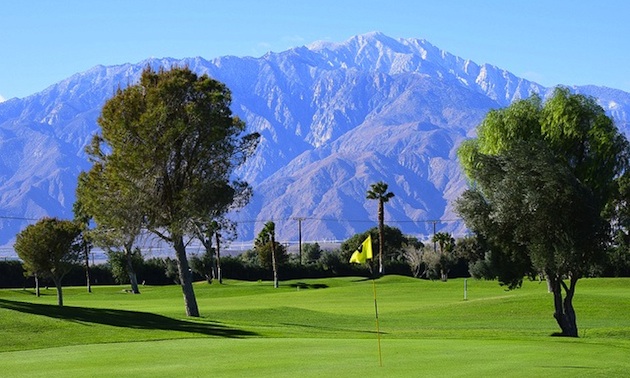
(434, 241)
(300, 219)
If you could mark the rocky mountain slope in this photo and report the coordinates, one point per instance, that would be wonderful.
(334, 118)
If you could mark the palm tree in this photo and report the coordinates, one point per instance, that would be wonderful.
(379, 192)
(267, 236)
(447, 244)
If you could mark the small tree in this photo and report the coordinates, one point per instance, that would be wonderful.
(49, 248)
(204, 264)
(379, 192)
(312, 252)
(413, 256)
(209, 232)
(124, 265)
(445, 257)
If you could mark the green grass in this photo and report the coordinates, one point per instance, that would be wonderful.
(315, 328)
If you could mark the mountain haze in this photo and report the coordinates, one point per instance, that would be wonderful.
(334, 118)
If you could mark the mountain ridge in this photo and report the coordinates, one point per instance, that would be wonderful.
(334, 118)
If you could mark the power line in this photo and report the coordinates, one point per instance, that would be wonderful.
(347, 220)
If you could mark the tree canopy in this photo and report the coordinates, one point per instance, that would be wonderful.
(49, 248)
(541, 175)
(170, 145)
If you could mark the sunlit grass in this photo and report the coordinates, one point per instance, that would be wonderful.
(316, 328)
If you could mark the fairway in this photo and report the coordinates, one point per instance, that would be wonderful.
(316, 328)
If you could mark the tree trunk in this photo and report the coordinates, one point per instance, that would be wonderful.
(273, 261)
(37, 292)
(564, 312)
(87, 268)
(443, 275)
(219, 276)
(132, 273)
(381, 223)
(185, 276)
(57, 282)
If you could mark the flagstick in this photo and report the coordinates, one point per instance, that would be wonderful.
(378, 333)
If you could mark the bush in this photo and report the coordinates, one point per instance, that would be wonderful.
(12, 275)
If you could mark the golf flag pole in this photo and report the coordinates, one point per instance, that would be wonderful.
(360, 256)
(378, 332)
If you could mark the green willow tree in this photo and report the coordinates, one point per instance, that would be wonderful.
(49, 248)
(172, 141)
(378, 191)
(541, 176)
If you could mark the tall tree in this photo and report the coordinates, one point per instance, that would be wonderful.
(172, 141)
(378, 191)
(49, 248)
(542, 174)
(82, 218)
(265, 245)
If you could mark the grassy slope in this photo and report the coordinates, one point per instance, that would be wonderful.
(324, 327)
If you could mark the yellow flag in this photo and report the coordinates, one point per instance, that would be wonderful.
(364, 252)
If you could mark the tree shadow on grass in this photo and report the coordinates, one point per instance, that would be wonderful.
(303, 285)
(364, 279)
(125, 319)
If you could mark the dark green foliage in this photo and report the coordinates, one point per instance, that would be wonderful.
(12, 274)
(439, 261)
(264, 255)
(171, 270)
(204, 264)
(312, 252)
(169, 147)
(618, 213)
(470, 248)
(49, 248)
(483, 268)
(542, 175)
(393, 246)
(120, 267)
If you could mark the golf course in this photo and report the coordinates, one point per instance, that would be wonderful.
(316, 328)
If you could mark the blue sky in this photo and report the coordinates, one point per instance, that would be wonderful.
(551, 41)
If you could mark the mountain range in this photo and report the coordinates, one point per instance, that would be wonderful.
(333, 118)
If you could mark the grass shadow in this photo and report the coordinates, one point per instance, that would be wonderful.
(364, 279)
(124, 318)
(303, 285)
